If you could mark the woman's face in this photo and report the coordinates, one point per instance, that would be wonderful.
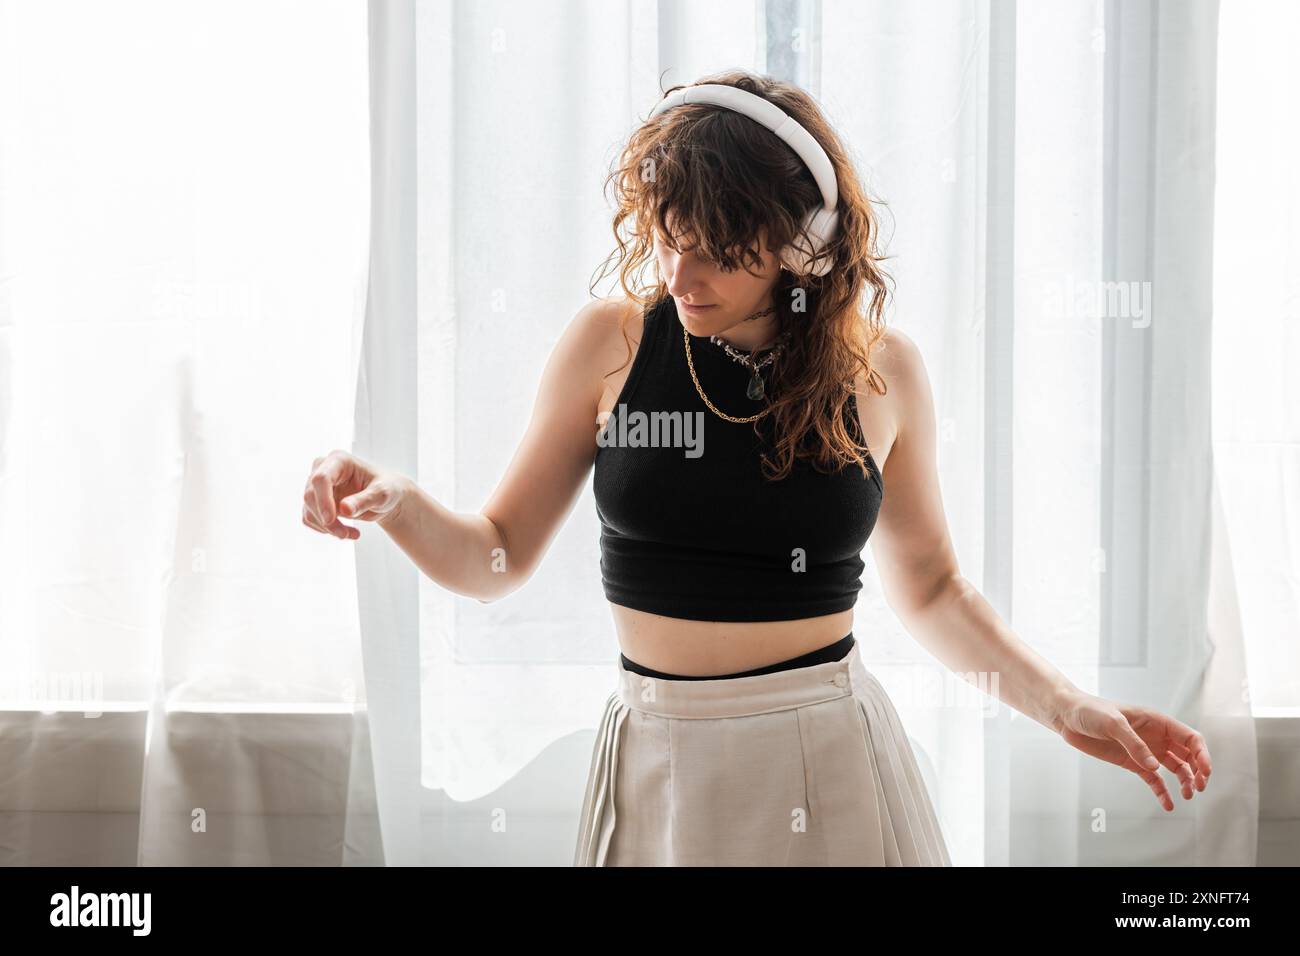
(724, 298)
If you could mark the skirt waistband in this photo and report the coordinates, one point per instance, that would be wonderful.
(741, 696)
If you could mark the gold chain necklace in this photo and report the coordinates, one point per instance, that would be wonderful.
(686, 337)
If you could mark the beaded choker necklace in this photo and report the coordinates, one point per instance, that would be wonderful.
(756, 389)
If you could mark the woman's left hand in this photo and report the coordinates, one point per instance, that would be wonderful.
(1137, 739)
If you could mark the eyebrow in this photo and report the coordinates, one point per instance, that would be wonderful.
(676, 248)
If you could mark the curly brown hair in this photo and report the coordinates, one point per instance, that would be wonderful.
(724, 179)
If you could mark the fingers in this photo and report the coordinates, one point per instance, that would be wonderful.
(356, 505)
(319, 511)
(1178, 750)
(369, 503)
(1194, 744)
(1183, 752)
(320, 488)
(1183, 771)
(327, 474)
(338, 528)
(1142, 761)
(1122, 731)
(1157, 785)
(1188, 745)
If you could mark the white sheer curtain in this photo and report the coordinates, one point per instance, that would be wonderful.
(1257, 341)
(1256, 347)
(210, 274)
(1048, 171)
(183, 201)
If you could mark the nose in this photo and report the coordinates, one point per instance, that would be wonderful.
(684, 272)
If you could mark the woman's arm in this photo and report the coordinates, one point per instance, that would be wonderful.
(952, 620)
(918, 566)
(489, 553)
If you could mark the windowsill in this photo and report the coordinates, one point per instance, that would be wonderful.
(89, 708)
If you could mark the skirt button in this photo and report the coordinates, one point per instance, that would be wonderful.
(841, 679)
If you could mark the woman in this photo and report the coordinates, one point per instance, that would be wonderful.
(749, 418)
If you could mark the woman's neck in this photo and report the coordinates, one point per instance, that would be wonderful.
(755, 333)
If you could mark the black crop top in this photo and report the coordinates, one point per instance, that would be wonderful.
(689, 526)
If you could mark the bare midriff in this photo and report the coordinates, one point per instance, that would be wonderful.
(707, 648)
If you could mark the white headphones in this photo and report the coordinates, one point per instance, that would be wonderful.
(820, 225)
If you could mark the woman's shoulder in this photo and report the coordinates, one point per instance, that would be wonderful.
(896, 357)
(598, 322)
(610, 313)
(609, 324)
(608, 332)
(898, 392)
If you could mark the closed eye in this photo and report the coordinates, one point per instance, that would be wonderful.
(713, 262)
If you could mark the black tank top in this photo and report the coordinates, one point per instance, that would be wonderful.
(690, 526)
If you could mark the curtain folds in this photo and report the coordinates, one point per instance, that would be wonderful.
(372, 240)
(183, 202)
(1047, 172)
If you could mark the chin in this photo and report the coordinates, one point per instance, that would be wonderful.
(707, 324)
(691, 325)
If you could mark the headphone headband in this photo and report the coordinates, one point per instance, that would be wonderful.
(770, 115)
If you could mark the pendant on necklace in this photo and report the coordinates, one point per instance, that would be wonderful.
(755, 390)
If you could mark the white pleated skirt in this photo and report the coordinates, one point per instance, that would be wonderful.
(802, 767)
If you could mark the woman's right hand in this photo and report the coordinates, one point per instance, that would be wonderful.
(341, 485)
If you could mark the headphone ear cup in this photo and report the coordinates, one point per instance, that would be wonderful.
(795, 259)
(802, 255)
